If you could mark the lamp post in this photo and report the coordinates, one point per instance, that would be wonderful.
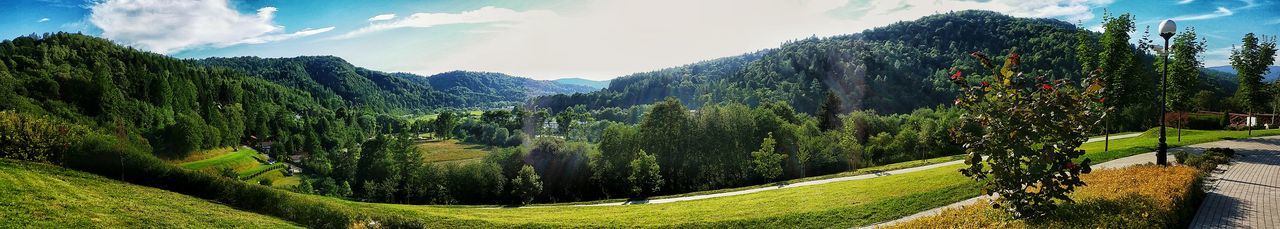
(1167, 29)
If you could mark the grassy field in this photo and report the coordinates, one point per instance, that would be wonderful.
(43, 196)
(1147, 142)
(246, 163)
(240, 160)
(450, 150)
(840, 204)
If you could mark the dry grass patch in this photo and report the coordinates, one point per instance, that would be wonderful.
(450, 150)
(1136, 197)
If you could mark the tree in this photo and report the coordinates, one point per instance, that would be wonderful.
(645, 176)
(766, 162)
(829, 112)
(526, 185)
(1183, 72)
(445, 123)
(1022, 134)
(1251, 61)
(619, 146)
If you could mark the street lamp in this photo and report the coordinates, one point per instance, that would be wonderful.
(1167, 29)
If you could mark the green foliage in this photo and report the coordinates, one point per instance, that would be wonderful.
(1184, 70)
(891, 69)
(1251, 62)
(526, 185)
(1022, 133)
(23, 137)
(645, 178)
(766, 162)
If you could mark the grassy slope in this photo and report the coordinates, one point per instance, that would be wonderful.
(450, 150)
(43, 196)
(244, 163)
(240, 160)
(841, 204)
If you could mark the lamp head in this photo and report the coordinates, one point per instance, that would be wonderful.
(1168, 28)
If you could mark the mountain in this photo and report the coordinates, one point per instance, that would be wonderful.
(1271, 76)
(892, 69)
(489, 86)
(334, 80)
(597, 84)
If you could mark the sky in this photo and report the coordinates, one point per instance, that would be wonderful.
(550, 39)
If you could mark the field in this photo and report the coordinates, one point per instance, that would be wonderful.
(247, 164)
(840, 204)
(450, 150)
(44, 196)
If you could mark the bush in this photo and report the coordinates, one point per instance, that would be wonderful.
(1022, 133)
(1115, 198)
(526, 185)
(264, 182)
(1205, 122)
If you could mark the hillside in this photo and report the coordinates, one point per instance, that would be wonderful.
(1271, 75)
(490, 86)
(891, 69)
(334, 79)
(44, 196)
(597, 84)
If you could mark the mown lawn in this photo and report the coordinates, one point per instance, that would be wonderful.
(1147, 142)
(450, 150)
(44, 196)
(239, 160)
(840, 204)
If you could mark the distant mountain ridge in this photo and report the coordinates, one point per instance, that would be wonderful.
(597, 84)
(329, 78)
(1270, 76)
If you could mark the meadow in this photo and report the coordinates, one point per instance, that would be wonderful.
(45, 196)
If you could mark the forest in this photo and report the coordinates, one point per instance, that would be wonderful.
(811, 107)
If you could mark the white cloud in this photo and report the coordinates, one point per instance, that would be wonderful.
(1221, 12)
(604, 38)
(1184, 2)
(487, 14)
(42, 20)
(383, 17)
(169, 26)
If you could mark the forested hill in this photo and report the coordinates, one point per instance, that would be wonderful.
(334, 80)
(891, 69)
(489, 86)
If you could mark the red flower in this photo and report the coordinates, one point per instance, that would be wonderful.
(1102, 100)
(955, 76)
(985, 84)
(1072, 165)
(1046, 87)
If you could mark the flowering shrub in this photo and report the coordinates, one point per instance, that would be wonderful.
(1135, 197)
(1021, 133)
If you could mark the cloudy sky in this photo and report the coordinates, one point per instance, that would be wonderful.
(594, 39)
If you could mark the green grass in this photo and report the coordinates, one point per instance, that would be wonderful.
(246, 163)
(450, 150)
(240, 160)
(1147, 142)
(44, 196)
(839, 204)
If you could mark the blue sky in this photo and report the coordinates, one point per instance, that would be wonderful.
(594, 39)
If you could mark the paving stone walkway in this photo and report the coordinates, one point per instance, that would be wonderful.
(1245, 193)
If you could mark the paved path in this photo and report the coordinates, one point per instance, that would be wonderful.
(800, 184)
(1246, 193)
